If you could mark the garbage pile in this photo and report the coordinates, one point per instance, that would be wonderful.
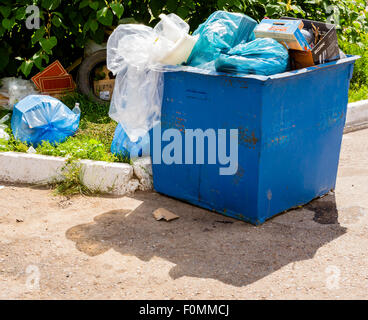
(225, 42)
(309, 42)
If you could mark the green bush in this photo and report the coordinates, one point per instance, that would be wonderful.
(66, 26)
(360, 76)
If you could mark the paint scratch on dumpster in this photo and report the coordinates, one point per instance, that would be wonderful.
(247, 139)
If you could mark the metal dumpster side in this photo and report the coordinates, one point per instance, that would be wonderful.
(289, 135)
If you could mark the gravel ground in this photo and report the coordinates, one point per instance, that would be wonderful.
(112, 248)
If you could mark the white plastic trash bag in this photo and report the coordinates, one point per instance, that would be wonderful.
(134, 53)
(136, 101)
(15, 89)
(3, 126)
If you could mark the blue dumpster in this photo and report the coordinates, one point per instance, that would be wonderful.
(289, 126)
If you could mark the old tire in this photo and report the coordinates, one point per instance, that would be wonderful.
(84, 80)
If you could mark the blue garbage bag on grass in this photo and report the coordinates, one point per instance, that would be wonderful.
(123, 146)
(263, 56)
(39, 118)
(218, 34)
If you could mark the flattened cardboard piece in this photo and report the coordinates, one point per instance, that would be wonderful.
(53, 70)
(104, 88)
(162, 213)
(57, 84)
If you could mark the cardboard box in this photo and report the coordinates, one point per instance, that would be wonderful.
(326, 50)
(104, 89)
(287, 32)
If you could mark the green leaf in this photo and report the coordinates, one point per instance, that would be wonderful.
(56, 21)
(105, 16)
(86, 26)
(20, 13)
(50, 4)
(271, 10)
(7, 24)
(118, 9)
(83, 4)
(357, 24)
(38, 35)
(94, 5)
(98, 36)
(38, 58)
(48, 44)
(53, 41)
(94, 25)
(5, 11)
(26, 67)
(156, 7)
(183, 12)
(222, 3)
(172, 5)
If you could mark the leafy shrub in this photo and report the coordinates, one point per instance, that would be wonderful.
(360, 76)
(66, 26)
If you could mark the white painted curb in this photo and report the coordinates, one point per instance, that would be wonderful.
(113, 178)
(357, 116)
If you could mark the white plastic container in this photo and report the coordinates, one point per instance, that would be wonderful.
(181, 51)
(171, 27)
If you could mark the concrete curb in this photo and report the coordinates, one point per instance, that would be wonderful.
(357, 116)
(113, 178)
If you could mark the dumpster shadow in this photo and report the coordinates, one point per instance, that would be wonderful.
(207, 245)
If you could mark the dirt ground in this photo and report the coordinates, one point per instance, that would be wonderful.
(112, 248)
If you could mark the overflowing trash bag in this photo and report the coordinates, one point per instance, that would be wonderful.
(263, 56)
(221, 32)
(39, 118)
(123, 146)
(132, 52)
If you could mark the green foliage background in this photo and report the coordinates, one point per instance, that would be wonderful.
(67, 25)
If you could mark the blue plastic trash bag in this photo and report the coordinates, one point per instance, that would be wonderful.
(218, 34)
(123, 146)
(263, 56)
(39, 118)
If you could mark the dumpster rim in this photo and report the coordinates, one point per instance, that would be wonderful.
(284, 75)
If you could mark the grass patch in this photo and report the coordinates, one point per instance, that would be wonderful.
(92, 140)
(72, 180)
(358, 93)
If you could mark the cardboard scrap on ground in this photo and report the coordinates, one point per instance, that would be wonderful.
(4, 99)
(162, 213)
(54, 80)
